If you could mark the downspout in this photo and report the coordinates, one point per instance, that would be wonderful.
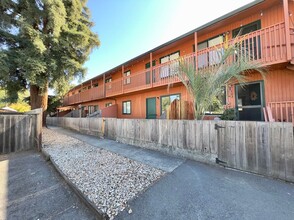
(287, 29)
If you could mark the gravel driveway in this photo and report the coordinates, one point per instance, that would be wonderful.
(107, 179)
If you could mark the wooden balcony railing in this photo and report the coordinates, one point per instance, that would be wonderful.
(283, 111)
(267, 46)
(114, 88)
(87, 95)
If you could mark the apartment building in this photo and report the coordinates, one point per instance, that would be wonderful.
(147, 86)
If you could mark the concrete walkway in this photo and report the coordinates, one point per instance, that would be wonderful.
(30, 188)
(193, 190)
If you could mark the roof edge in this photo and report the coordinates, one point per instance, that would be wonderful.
(223, 17)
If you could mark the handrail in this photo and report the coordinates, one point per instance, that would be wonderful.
(283, 111)
(266, 45)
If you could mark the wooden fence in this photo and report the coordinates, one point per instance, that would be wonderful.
(265, 148)
(20, 131)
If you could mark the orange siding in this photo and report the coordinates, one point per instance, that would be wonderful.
(279, 82)
(184, 46)
(278, 86)
(138, 101)
(269, 17)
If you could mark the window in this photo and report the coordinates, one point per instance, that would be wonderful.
(108, 104)
(127, 74)
(213, 56)
(90, 109)
(89, 87)
(126, 107)
(254, 26)
(108, 80)
(147, 66)
(95, 85)
(96, 108)
(251, 45)
(166, 101)
(171, 69)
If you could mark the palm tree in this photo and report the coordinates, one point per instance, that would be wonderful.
(206, 83)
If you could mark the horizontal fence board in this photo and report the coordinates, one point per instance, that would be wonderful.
(260, 147)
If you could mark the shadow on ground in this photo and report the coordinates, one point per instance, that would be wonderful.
(30, 188)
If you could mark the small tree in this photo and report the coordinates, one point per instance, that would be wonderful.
(206, 83)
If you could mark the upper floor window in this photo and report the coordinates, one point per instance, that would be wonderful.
(250, 44)
(127, 79)
(148, 76)
(108, 80)
(248, 28)
(147, 65)
(211, 56)
(171, 69)
(95, 85)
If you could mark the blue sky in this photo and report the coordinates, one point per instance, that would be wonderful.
(128, 28)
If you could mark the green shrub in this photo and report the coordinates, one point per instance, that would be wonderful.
(229, 114)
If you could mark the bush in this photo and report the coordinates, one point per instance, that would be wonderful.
(229, 114)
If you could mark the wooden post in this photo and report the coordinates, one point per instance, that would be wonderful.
(80, 93)
(104, 86)
(287, 29)
(151, 70)
(90, 93)
(123, 78)
(196, 50)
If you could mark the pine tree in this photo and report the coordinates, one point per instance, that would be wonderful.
(43, 44)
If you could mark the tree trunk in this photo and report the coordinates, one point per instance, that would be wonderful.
(39, 99)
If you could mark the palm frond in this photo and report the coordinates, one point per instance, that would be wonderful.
(206, 83)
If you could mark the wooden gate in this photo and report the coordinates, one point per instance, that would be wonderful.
(259, 147)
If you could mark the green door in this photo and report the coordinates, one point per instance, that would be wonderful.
(151, 108)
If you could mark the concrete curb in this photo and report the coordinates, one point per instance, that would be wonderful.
(98, 214)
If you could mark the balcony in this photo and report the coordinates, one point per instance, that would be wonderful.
(267, 46)
(87, 95)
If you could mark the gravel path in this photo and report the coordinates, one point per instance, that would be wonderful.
(107, 179)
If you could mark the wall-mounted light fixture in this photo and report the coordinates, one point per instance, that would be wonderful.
(261, 13)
